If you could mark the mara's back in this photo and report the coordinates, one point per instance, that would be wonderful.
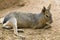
(25, 19)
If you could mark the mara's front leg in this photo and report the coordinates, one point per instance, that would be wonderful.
(47, 26)
(39, 26)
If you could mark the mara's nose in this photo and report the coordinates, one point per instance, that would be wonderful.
(50, 21)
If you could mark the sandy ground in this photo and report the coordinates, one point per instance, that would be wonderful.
(35, 6)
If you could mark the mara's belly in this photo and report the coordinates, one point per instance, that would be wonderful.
(30, 25)
(24, 24)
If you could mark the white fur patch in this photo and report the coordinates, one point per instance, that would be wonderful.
(1, 20)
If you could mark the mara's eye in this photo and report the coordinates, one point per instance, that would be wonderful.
(47, 16)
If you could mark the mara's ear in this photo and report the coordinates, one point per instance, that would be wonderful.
(49, 7)
(44, 9)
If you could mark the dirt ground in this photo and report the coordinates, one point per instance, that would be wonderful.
(35, 6)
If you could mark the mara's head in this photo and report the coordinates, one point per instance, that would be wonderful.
(47, 14)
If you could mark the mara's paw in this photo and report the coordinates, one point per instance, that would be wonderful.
(20, 36)
(7, 27)
(47, 27)
(16, 34)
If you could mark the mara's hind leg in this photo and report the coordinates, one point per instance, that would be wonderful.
(14, 22)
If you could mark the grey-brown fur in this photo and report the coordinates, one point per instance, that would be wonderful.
(37, 20)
